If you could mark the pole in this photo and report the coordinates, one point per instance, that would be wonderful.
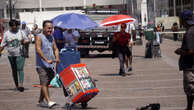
(40, 5)
(5, 12)
(128, 7)
(154, 10)
(132, 10)
(181, 5)
(84, 4)
(174, 5)
(10, 9)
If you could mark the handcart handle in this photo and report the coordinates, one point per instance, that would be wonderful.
(72, 49)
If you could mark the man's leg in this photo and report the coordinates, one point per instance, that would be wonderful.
(127, 61)
(27, 50)
(46, 75)
(189, 102)
(41, 98)
(44, 84)
(121, 61)
(130, 59)
(44, 92)
(188, 82)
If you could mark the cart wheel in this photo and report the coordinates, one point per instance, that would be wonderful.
(67, 106)
(84, 105)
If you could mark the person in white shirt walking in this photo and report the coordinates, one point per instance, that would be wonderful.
(13, 41)
(28, 35)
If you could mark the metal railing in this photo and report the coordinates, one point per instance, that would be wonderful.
(169, 34)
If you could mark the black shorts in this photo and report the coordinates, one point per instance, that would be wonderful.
(130, 49)
(124, 50)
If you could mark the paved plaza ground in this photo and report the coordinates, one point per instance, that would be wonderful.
(155, 80)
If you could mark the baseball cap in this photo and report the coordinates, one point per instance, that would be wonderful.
(187, 15)
(23, 22)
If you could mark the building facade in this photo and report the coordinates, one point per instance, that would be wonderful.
(176, 6)
(132, 8)
(16, 6)
(164, 8)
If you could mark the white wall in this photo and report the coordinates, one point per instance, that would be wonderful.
(38, 17)
(167, 21)
(63, 3)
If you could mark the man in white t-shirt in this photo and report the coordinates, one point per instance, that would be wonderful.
(132, 31)
(27, 32)
(71, 38)
(76, 35)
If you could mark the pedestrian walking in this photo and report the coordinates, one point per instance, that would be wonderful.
(59, 38)
(174, 29)
(13, 41)
(71, 38)
(186, 60)
(132, 31)
(28, 35)
(141, 31)
(46, 54)
(162, 30)
(158, 31)
(35, 31)
(121, 40)
(76, 36)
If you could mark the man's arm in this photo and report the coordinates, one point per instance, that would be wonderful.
(179, 51)
(38, 45)
(25, 39)
(56, 52)
(3, 43)
(1, 49)
(134, 35)
(115, 37)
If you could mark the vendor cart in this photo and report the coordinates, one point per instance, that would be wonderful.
(78, 83)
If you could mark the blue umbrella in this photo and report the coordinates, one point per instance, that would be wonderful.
(74, 21)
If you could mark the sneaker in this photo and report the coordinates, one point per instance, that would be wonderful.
(21, 89)
(42, 104)
(129, 69)
(122, 73)
(51, 104)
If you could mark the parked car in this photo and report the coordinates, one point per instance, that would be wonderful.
(99, 39)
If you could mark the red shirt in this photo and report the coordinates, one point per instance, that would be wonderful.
(122, 38)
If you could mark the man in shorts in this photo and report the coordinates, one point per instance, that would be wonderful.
(132, 31)
(46, 54)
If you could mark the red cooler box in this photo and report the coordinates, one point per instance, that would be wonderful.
(78, 83)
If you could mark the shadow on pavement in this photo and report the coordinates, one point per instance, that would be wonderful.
(74, 107)
(78, 107)
(116, 74)
(138, 56)
(12, 89)
(107, 56)
(99, 56)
